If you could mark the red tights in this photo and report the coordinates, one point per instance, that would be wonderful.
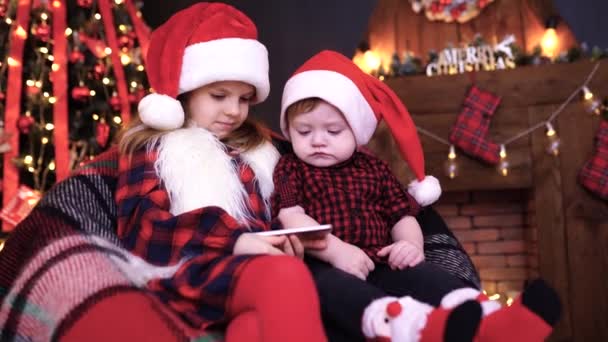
(275, 300)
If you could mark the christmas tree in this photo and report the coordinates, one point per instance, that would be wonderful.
(71, 74)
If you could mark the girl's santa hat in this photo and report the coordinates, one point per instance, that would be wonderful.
(202, 44)
(364, 101)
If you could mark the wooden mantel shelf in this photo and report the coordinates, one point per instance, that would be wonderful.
(572, 225)
(529, 95)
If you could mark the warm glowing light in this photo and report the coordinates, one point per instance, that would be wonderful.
(44, 16)
(45, 140)
(105, 81)
(503, 152)
(52, 100)
(550, 130)
(55, 67)
(107, 51)
(372, 60)
(97, 16)
(46, 94)
(509, 301)
(133, 84)
(20, 32)
(122, 27)
(28, 159)
(44, 49)
(38, 84)
(587, 94)
(51, 58)
(452, 154)
(49, 126)
(52, 165)
(549, 42)
(117, 120)
(95, 117)
(30, 83)
(31, 169)
(68, 31)
(8, 21)
(495, 296)
(118, 2)
(92, 92)
(12, 62)
(140, 68)
(57, 4)
(125, 59)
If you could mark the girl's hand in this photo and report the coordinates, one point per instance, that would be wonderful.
(351, 259)
(402, 254)
(293, 246)
(249, 243)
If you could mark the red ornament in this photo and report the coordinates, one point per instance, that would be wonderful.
(483, 3)
(85, 3)
(102, 133)
(25, 123)
(76, 56)
(3, 9)
(42, 31)
(136, 95)
(81, 93)
(99, 70)
(20, 206)
(126, 42)
(2, 96)
(115, 102)
(32, 90)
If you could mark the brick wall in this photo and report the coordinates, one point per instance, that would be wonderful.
(497, 230)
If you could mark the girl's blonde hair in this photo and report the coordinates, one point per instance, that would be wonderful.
(137, 135)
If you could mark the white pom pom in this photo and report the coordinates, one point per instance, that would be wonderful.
(161, 112)
(425, 192)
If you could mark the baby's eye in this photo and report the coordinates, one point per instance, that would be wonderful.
(303, 132)
(335, 132)
(218, 96)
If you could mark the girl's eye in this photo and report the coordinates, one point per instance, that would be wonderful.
(246, 99)
(218, 96)
(303, 132)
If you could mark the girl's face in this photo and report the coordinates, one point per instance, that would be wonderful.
(220, 107)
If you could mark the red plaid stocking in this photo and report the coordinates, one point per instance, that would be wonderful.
(470, 131)
(594, 174)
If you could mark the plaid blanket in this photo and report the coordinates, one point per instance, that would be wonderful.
(66, 254)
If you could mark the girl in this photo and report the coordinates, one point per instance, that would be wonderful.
(195, 179)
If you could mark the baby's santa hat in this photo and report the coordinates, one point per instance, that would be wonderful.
(202, 44)
(364, 100)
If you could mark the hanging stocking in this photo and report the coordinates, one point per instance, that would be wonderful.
(594, 174)
(470, 131)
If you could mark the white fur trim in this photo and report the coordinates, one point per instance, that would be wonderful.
(490, 306)
(197, 172)
(375, 320)
(459, 296)
(337, 90)
(425, 192)
(228, 59)
(161, 112)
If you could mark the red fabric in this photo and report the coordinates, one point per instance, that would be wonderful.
(10, 180)
(131, 316)
(201, 287)
(275, 301)
(60, 91)
(360, 197)
(105, 8)
(434, 330)
(198, 23)
(513, 323)
(470, 132)
(594, 174)
(142, 31)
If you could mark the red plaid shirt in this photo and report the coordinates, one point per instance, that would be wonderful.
(203, 238)
(360, 197)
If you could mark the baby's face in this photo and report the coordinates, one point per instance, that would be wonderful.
(321, 137)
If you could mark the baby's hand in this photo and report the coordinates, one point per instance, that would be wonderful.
(402, 254)
(351, 259)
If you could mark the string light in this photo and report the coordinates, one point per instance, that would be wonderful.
(592, 105)
(125, 59)
(44, 16)
(49, 126)
(92, 92)
(105, 81)
(117, 120)
(20, 32)
(38, 84)
(97, 16)
(51, 165)
(554, 141)
(587, 94)
(451, 166)
(55, 67)
(44, 49)
(503, 165)
(28, 159)
(52, 100)
(30, 83)
(68, 31)
(495, 296)
(8, 21)
(133, 84)
(46, 94)
(51, 58)
(140, 68)
(108, 51)
(95, 117)
(31, 169)
(44, 140)
(12, 62)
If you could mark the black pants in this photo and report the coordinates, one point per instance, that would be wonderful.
(344, 297)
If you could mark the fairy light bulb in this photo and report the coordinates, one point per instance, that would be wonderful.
(28, 159)
(503, 165)
(587, 94)
(451, 165)
(51, 165)
(554, 141)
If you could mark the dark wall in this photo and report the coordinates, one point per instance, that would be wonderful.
(292, 31)
(586, 19)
